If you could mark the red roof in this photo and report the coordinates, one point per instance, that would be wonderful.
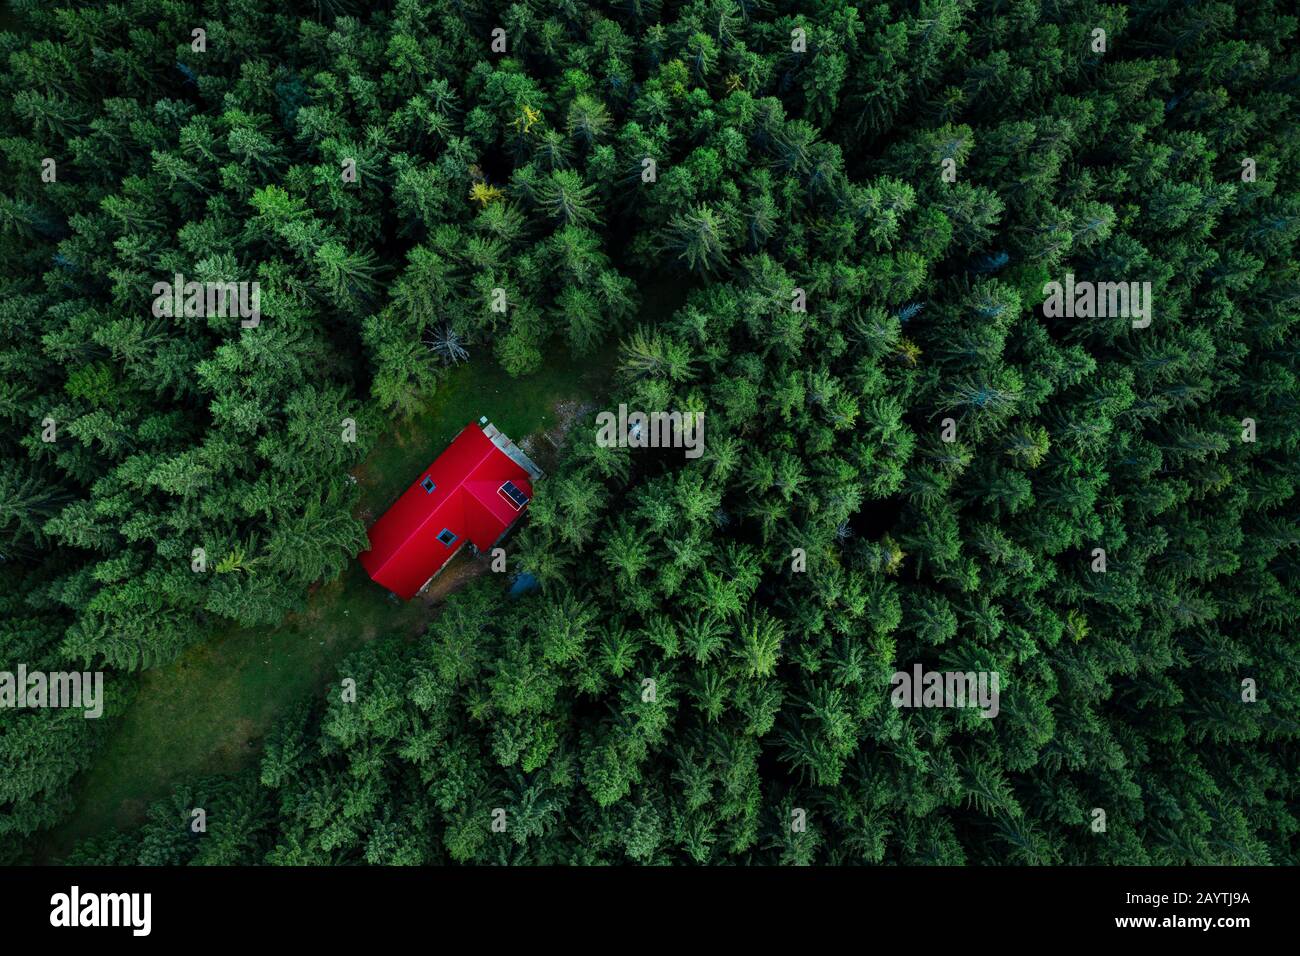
(467, 500)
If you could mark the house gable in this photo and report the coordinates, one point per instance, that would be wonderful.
(405, 550)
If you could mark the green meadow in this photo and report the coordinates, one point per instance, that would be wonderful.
(207, 712)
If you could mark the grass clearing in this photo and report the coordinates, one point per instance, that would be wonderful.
(207, 712)
(517, 406)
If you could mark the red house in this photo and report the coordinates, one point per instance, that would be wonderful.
(472, 493)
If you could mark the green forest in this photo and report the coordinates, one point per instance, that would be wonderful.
(835, 230)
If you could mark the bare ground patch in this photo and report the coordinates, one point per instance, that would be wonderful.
(544, 447)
